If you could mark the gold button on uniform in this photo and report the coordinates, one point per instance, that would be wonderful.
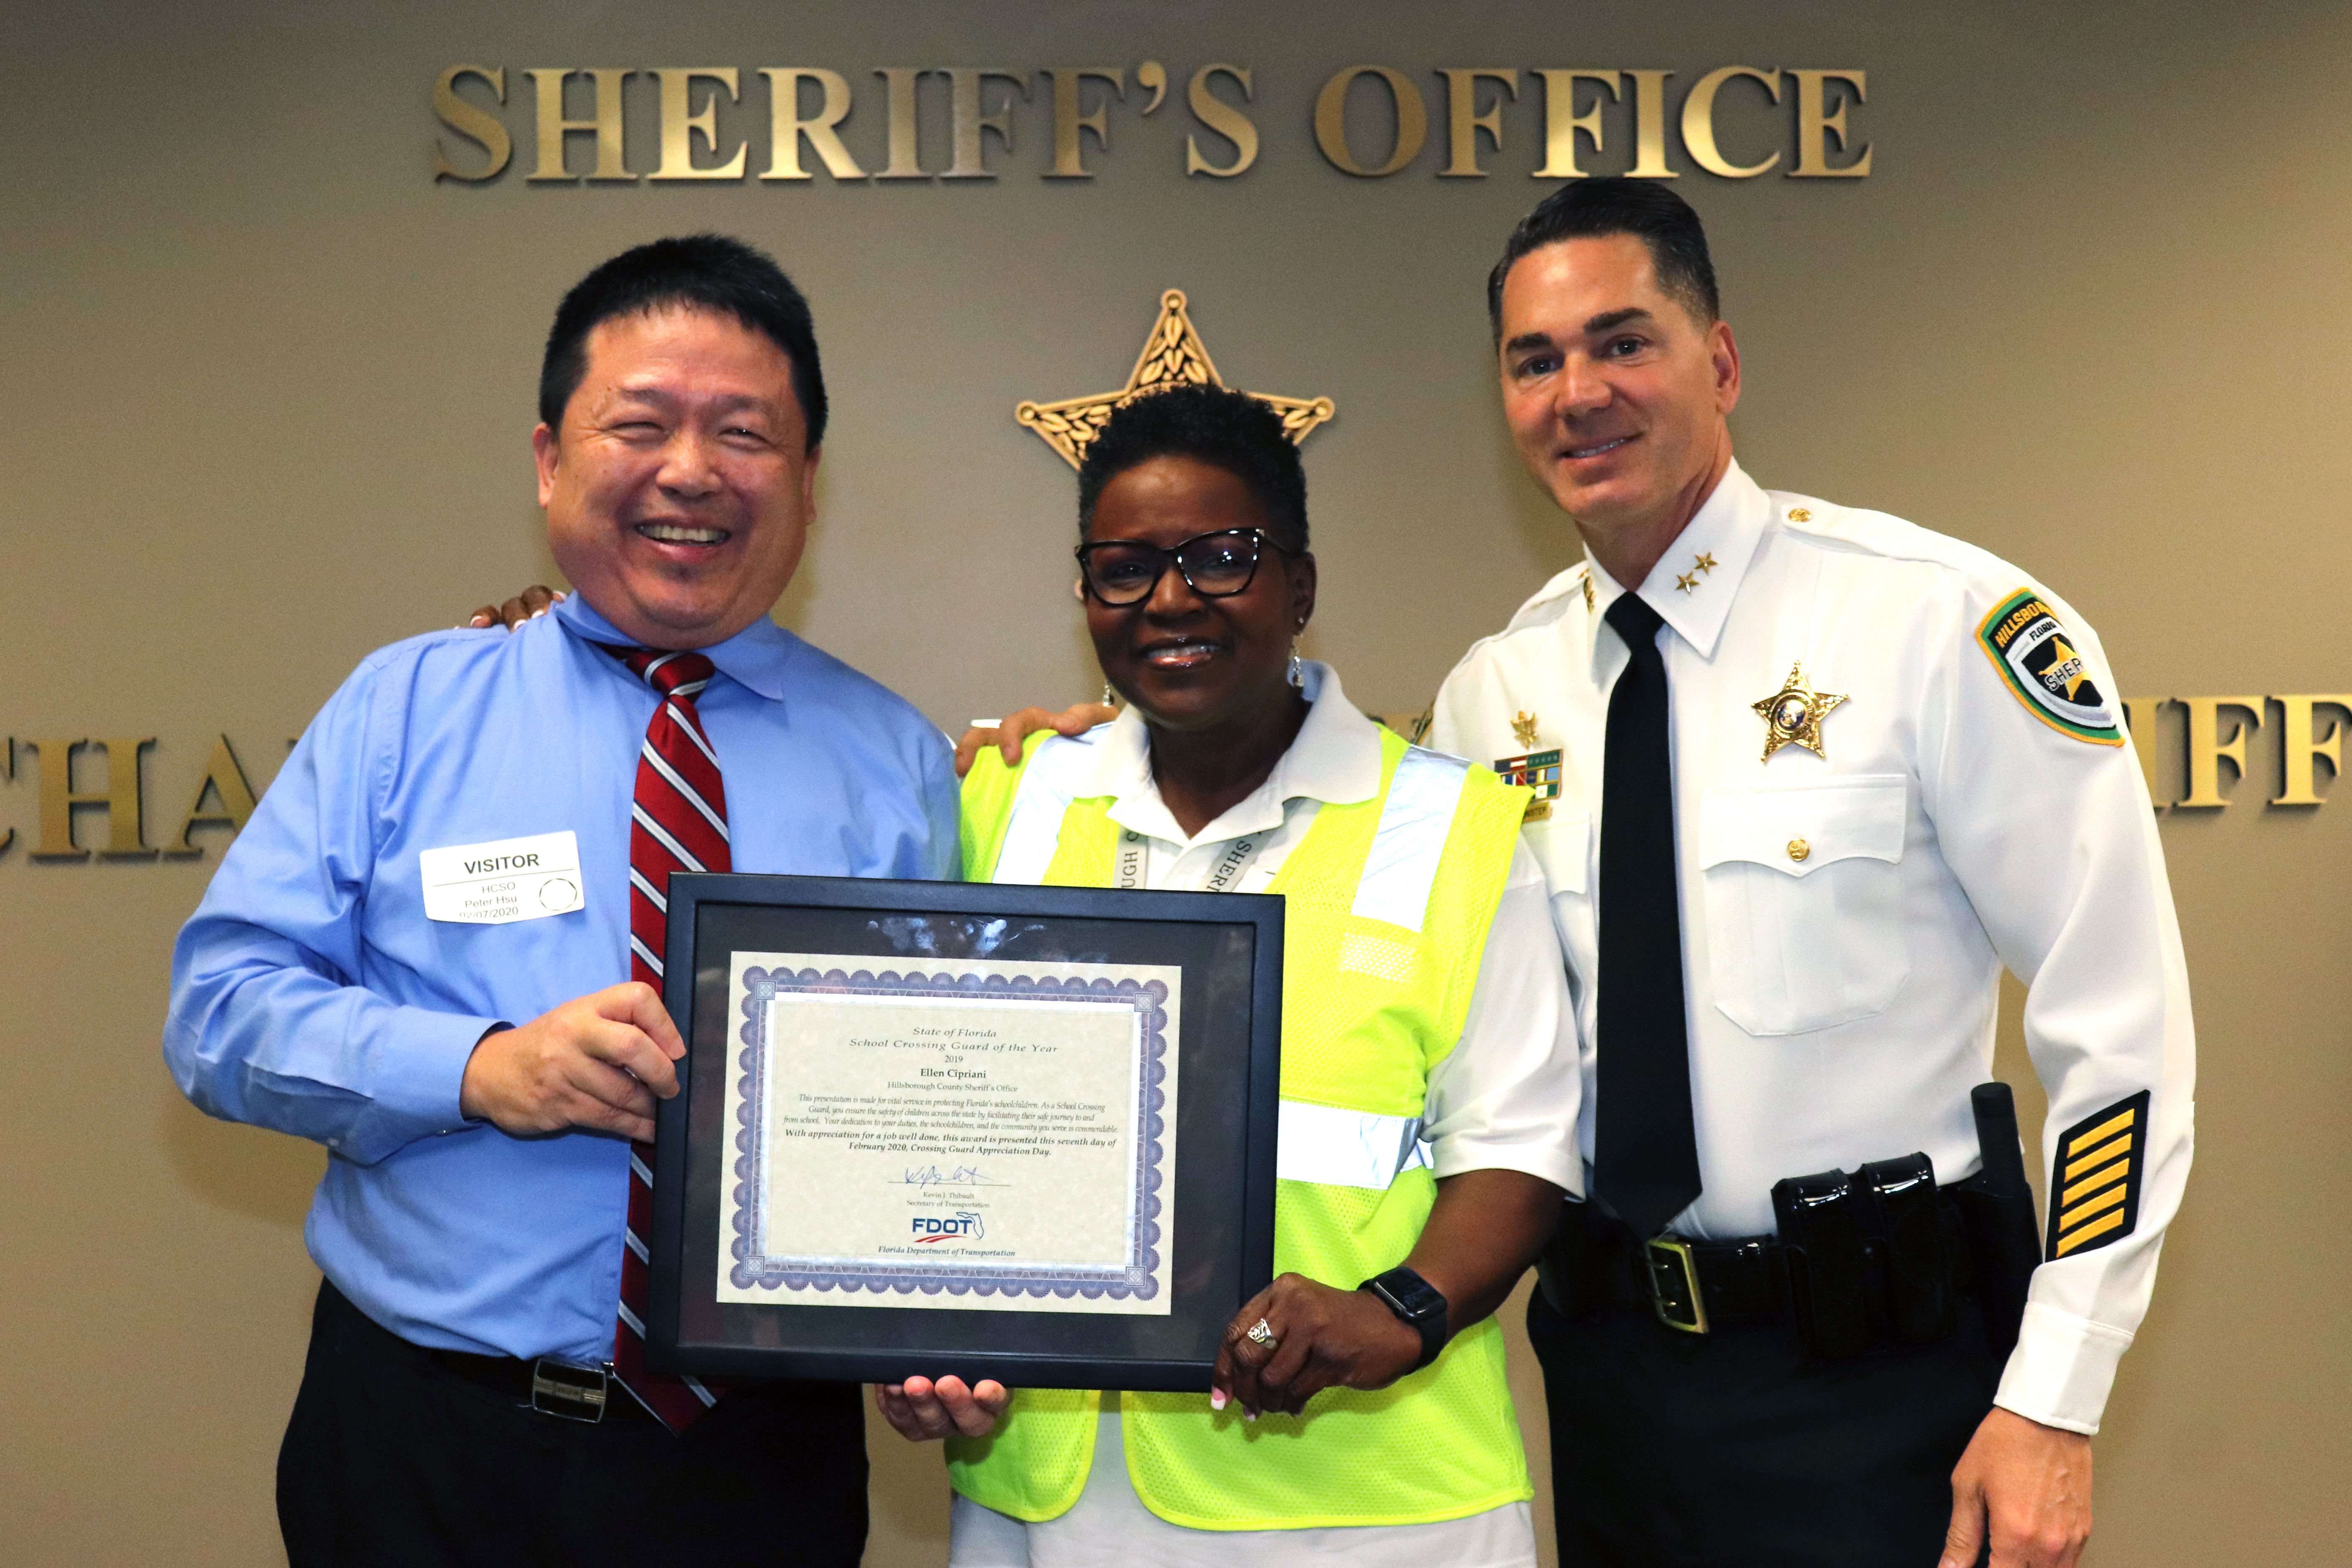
(1799, 849)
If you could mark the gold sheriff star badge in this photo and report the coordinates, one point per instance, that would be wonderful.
(1172, 355)
(1792, 715)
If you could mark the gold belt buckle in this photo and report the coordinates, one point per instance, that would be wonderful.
(1674, 1294)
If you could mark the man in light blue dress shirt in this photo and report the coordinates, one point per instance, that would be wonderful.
(475, 1084)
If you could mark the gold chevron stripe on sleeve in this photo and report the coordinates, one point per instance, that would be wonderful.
(2077, 1213)
(2093, 1183)
(2106, 1129)
(2099, 1226)
(2076, 1165)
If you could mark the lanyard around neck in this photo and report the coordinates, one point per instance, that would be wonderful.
(1233, 864)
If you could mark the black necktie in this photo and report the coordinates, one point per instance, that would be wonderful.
(1645, 1152)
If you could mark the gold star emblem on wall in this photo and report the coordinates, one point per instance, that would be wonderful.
(1174, 355)
(1792, 715)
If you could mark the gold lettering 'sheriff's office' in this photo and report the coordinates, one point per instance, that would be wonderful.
(1736, 122)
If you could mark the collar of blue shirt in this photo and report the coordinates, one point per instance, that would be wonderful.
(757, 656)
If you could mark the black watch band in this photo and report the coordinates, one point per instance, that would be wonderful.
(1418, 1303)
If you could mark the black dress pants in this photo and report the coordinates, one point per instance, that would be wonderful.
(391, 1458)
(1725, 1450)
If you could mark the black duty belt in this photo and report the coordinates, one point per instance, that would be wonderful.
(1694, 1286)
(1873, 1262)
(1700, 1286)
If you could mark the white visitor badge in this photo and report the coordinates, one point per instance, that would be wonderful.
(498, 883)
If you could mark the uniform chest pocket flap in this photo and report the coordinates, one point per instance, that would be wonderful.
(1804, 901)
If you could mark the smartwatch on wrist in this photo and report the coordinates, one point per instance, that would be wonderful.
(1417, 1302)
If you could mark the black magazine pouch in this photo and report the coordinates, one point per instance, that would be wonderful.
(1917, 1252)
(1820, 1226)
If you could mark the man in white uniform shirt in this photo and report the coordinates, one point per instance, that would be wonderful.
(1827, 773)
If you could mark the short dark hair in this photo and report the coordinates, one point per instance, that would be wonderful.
(706, 271)
(1593, 209)
(1228, 429)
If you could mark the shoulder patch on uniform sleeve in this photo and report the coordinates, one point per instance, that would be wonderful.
(2037, 656)
(2094, 1182)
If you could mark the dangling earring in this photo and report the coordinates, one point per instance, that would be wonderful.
(1110, 698)
(1297, 679)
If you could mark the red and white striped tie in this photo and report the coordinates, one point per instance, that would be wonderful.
(678, 823)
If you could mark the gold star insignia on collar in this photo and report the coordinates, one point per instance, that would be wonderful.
(1588, 593)
(1174, 355)
(1686, 581)
(1705, 562)
(1524, 727)
(1792, 715)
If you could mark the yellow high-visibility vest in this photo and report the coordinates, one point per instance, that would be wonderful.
(1387, 905)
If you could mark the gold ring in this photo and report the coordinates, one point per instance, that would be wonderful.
(1261, 1334)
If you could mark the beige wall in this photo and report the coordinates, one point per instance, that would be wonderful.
(267, 392)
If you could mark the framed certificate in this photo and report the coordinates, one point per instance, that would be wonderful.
(1017, 1132)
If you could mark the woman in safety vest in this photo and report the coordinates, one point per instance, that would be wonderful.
(1429, 1075)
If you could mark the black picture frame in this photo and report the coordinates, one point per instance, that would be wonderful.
(1228, 949)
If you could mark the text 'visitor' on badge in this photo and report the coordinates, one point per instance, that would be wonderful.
(502, 881)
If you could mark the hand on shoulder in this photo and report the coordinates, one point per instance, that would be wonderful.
(529, 604)
(1010, 736)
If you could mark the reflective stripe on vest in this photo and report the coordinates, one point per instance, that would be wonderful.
(1346, 1147)
(1045, 792)
(1410, 840)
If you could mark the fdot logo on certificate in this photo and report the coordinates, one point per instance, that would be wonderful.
(499, 883)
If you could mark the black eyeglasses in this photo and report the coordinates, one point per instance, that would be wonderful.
(1121, 572)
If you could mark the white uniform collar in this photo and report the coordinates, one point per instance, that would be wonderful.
(1693, 585)
(1335, 760)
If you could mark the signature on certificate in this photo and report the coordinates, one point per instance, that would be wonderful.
(960, 1176)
